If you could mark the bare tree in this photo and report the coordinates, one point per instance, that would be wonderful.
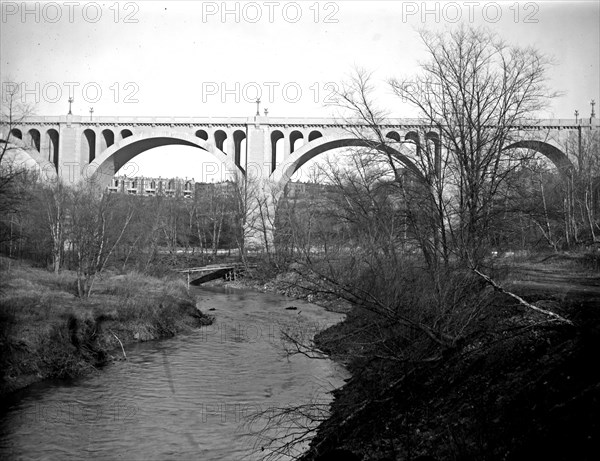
(56, 202)
(549, 208)
(415, 167)
(95, 230)
(435, 191)
(215, 211)
(475, 90)
(285, 432)
(246, 213)
(582, 201)
(13, 112)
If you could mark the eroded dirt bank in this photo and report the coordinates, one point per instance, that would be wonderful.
(522, 388)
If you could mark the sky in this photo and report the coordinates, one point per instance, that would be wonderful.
(214, 58)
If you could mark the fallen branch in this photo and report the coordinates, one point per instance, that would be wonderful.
(521, 300)
(122, 348)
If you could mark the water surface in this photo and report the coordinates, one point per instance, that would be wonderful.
(196, 396)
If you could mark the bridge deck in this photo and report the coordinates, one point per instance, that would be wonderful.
(276, 121)
(214, 267)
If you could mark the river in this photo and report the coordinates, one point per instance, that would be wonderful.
(208, 395)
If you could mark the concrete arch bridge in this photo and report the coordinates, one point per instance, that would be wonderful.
(76, 148)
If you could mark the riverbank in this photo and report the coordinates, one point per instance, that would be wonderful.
(518, 388)
(48, 332)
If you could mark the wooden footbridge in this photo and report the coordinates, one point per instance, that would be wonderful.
(214, 271)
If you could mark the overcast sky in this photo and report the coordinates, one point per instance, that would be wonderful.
(211, 58)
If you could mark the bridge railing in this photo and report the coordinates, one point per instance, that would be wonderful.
(275, 121)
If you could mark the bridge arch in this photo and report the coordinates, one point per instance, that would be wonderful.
(276, 146)
(413, 138)
(308, 151)
(553, 153)
(108, 139)
(34, 139)
(239, 146)
(104, 167)
(22, 154)
(295, 136)
(393, 135)
(88, 145)
(52, 139)
(125, 133)
(315, 134)
(432, 136)
(220, 138)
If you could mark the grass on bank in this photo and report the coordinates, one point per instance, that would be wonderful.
(46, 331)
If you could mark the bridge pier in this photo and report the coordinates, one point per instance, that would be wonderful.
(261, 215)
(258, 145)
(70, 164)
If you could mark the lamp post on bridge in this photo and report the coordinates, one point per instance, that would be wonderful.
(91, 112)
(70, 102)
(258, 107)
(593, 114)
(576, 116)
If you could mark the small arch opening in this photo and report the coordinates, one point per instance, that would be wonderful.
(393, 135)
(413, 137)
(53, 138)
(314, 135)
(220, 137)
(88, 145)
(432, 142)
(276, 149)
(34, 139)
(296, 140)
(240, 151)
(108, 139)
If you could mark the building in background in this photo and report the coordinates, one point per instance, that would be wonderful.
(170, 187)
